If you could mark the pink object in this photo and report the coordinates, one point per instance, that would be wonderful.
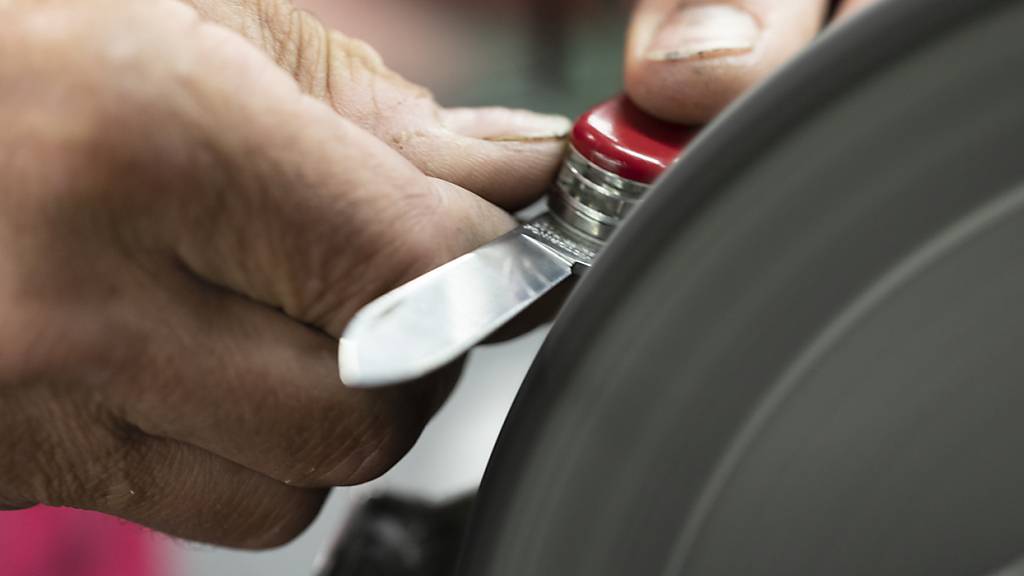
(45, 541)
(619, 137)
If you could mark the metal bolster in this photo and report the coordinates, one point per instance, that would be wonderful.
(591, 200)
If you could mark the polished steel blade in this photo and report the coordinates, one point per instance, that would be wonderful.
(432, 320)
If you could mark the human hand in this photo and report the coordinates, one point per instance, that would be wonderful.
(506, 156)
(183, 234)
(686, 60)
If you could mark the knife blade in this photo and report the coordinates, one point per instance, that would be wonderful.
(431, 321)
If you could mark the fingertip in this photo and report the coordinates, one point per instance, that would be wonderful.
(394, 419)
(675, 92)
(514, 174)
(510, 173)
(506, 156)
(286, 524)
(686, 61)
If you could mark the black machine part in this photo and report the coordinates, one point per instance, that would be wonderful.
(396, 535)
(804, 353)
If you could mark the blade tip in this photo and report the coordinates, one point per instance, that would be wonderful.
(354, 375)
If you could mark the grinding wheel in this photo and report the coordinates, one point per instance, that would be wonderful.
(804, 353)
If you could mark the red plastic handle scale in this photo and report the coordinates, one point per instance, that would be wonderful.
(619, 137)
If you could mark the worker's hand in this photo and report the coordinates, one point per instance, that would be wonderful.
(687, 59)
(506, 156)
(184, 232)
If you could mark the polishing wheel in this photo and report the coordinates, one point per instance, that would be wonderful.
(804, 351)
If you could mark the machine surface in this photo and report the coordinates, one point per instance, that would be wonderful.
(803, 353)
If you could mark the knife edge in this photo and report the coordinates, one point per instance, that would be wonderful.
(434, 319)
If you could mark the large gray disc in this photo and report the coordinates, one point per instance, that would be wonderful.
(804, 354)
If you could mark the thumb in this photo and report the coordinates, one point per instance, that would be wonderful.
(685, 61)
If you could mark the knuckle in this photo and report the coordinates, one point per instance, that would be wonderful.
(360, 57)
(321, 60)
(297, 41)
(413, 241)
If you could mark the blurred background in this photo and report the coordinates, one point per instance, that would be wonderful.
(558, 56)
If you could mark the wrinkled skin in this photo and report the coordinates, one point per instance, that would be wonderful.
(195, 197)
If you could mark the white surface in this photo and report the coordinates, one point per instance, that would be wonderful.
(449, 459)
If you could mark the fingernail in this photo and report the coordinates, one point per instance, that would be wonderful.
(704, 31)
